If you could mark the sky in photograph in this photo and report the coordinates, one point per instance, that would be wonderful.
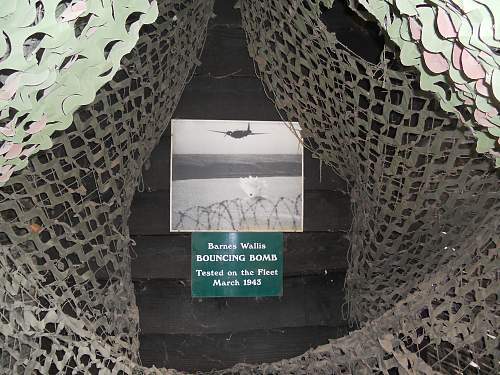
(196, 137)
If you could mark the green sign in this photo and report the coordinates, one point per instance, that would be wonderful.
(236, 264)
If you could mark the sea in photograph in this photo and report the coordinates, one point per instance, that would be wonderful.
(222, 204)
(196, 166)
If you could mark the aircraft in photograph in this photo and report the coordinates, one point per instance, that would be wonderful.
(238, 133)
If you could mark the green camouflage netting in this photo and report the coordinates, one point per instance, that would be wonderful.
(425, 205)
(455, 45)
(66, 300)
(422, 281)
(46, 47)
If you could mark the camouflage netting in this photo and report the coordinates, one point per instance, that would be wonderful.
(66, 298)
(426, 213)
(46, 47)
(422, 279)
(455, 46)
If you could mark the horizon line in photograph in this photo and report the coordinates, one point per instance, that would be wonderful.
(231, 137)
(199, 166)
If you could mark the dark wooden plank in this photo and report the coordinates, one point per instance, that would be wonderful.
(364, 38)
(324, 211)
(169, 257)
(311, 253)
(232, 98)
(162, 257)
(318, 176)
(217, 351)
(166, 307)
(225, 53)
(226, 13)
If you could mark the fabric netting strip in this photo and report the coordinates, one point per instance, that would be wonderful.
(67, 303)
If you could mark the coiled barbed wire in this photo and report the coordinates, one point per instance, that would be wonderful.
(258, 213)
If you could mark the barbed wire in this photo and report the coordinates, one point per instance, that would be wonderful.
(258, 213)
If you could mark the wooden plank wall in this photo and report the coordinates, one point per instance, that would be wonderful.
(189, 334)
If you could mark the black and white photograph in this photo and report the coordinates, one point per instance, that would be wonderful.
(236, 176)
